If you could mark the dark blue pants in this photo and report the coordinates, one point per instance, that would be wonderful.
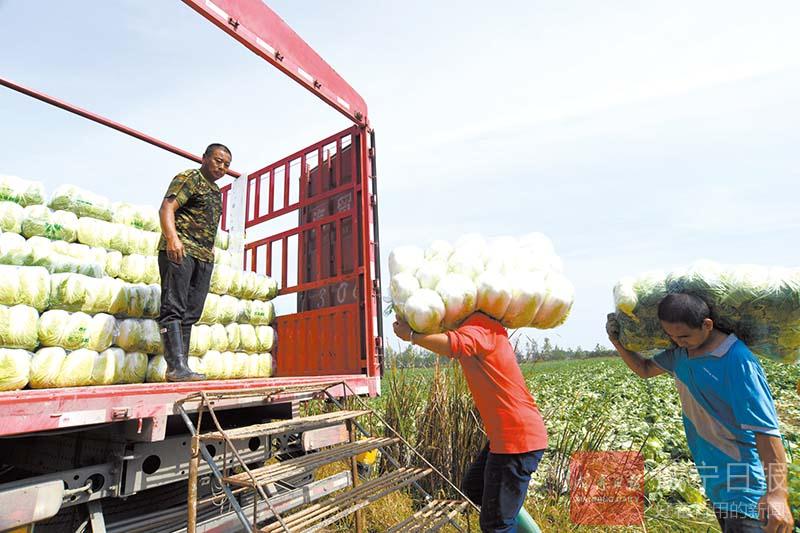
(731, 522)
(498, 482)
(184, 289)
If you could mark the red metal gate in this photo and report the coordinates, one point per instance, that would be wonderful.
(305, 226)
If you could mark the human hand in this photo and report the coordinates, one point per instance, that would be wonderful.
(612, 327)
(175, 250)
(402, 330)
(773, 509)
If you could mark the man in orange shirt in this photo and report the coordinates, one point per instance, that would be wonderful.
(498, 479)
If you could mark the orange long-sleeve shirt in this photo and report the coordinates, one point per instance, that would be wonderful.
(509, 412)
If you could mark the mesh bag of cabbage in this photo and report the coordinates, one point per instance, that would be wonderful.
(760, 304)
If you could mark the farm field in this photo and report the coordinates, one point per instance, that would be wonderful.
(591, 404)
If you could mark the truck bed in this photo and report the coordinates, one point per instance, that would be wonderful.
(36, 410)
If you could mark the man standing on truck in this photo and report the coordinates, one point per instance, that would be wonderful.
(498, 479)
(189, 215)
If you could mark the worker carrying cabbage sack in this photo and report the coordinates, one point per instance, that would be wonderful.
(760, 304)
(498, 478)
(517, 281)
(189, 215)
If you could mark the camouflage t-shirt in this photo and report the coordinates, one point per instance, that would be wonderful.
(196, 219)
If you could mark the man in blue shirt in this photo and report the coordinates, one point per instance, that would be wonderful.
(728, 414)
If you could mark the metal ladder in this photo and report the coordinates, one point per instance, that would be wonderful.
(262, 481)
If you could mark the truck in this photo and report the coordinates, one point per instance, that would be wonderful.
(116, 458)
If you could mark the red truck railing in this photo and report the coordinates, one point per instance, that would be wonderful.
(307, 213)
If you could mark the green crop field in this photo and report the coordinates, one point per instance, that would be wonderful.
(591, 404)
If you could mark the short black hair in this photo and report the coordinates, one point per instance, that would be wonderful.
(682, 308)
(216, 146)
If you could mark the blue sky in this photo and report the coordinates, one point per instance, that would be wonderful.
(640, 135)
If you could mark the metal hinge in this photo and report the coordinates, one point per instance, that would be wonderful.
(373, 199)
(233, 22)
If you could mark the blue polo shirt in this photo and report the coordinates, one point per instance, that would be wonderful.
(725, 400)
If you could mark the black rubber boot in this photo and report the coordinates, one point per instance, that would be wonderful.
(175, 355)
(186, 334)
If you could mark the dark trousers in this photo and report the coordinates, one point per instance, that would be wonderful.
(731, 522)
(184, 289)
(498, 482)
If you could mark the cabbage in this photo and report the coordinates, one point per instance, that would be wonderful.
(232, 330)
(75, 334)
(70, 331)
(222, 257)
(81, 202)
(139, 335)
(260, 313)
(439, 251)
(151, 274)
(68, 291)
(228, 309)
(424, 310)
(557, 302)
(25, 285)
(248, 285)
(266, 338)
(241, 365)
(14, 250)
(200, 340)
(196, 364)
(18, 327)
(237, 281)
(460, 298)
(104, 370)
(138, 216)
(137, 297)
(9, 285)
(761, 305)
(401, 287)
(101, 332)
(248, 339)
(213, 365)
(56, 225)
(133, 366)
(467, 261)
(15, 369)
(156, 370)
(625, 298)
(133, 267)
(113, 263)
(265, 365)
(76, 370)
(152, 304)
(123, 238)
(266, 288)
(20, 191)
(209, 315)
(528, 290)
(148, 242)
(222, 239)
(218, 338)
(106, 295)
(494, 294)
(228, 370)
(11, 215)
(46, 367)
(253, 366)
(221, 279)
(405, 259)
(94, 232)
(430, 273)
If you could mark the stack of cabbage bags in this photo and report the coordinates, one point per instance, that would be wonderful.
(760, 304)
(80, 291)
(518, 281)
